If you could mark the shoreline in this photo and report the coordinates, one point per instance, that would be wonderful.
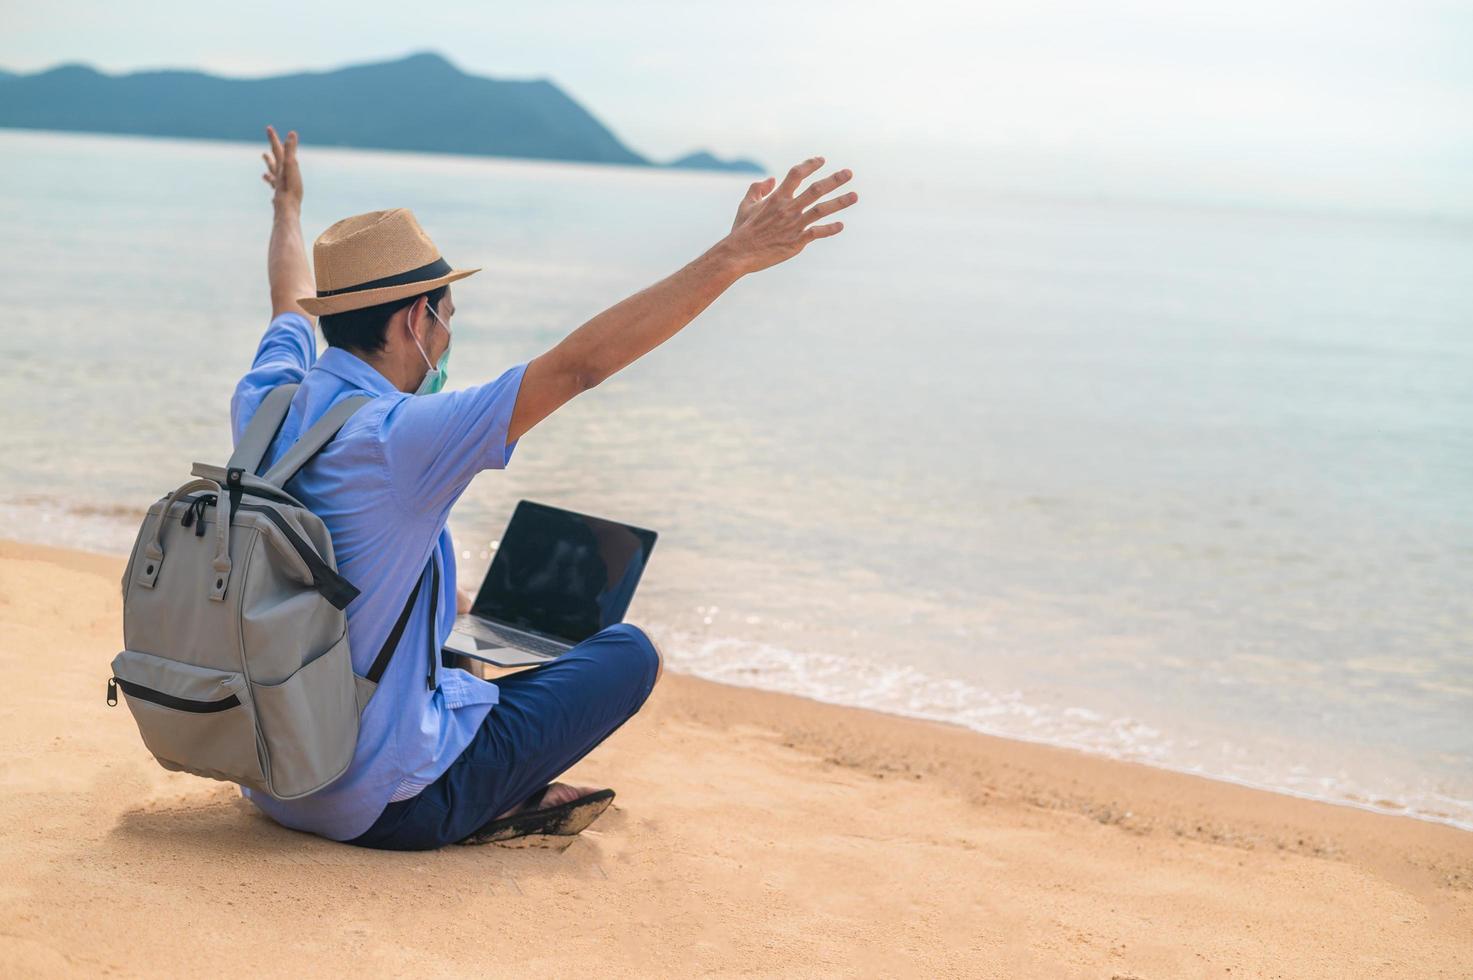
(1092, 752)
(754, 832)
(1388, 809)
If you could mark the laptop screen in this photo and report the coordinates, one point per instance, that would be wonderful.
(563, 574)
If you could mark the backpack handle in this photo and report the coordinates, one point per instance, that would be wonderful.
(153, 552)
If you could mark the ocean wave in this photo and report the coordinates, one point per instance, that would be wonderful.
(900, 689)
(107, 529)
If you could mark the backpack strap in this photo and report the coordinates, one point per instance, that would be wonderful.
(265, 424)
(386, 652)
(314, 439)
(431, 676)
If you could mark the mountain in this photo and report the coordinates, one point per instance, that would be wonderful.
(421, 103)
(701, 160)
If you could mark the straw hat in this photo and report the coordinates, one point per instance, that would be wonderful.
(374, 258)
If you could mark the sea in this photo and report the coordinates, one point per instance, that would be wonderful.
(1181, 484)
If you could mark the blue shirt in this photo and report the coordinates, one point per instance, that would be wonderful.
(384, 488)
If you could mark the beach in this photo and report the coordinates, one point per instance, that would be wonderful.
(754, 834)
(1150, 482)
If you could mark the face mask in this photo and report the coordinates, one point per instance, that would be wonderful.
(434, 378)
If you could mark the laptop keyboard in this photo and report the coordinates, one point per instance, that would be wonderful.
(515, 639)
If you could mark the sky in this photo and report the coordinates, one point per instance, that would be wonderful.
(1345, 104)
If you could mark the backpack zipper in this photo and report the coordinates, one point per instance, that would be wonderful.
(167, 700)
(332, 586)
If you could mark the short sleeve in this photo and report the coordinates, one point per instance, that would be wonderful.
(287, 350)
(435, 444)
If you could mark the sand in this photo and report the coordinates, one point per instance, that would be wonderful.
(754, 834)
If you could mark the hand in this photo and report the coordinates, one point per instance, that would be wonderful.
(282, 172)
(773, 227)
(287, 271)
(462, 601)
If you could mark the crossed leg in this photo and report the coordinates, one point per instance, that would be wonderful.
(546, 719)
(560, 793)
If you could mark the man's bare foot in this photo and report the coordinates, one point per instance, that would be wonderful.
(556, 795)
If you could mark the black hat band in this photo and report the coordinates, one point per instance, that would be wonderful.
(424, 273)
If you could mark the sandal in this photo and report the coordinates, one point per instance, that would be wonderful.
(564, 820)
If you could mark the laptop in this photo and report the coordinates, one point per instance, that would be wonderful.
(558, 577)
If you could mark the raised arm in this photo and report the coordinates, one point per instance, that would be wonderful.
(289, 345)
(771, 226)
(286, 256)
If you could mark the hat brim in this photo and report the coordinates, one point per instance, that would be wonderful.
(343, 302)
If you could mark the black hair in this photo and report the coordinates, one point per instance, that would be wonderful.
(363, 330)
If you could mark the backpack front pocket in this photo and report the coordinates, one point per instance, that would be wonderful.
(193, 719)
(309, 723)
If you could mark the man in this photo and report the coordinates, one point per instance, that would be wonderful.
(448, 757)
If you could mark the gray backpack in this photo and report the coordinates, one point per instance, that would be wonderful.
(235, 661)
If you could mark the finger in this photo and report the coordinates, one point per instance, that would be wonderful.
(270, 163)
(826, 208)
(797, 173)
(291, 146)
(754, 195)
(819, 188)
(267, 179)
(822, 231)
(275, 142)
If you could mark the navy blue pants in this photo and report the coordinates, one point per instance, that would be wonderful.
(548, 718)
